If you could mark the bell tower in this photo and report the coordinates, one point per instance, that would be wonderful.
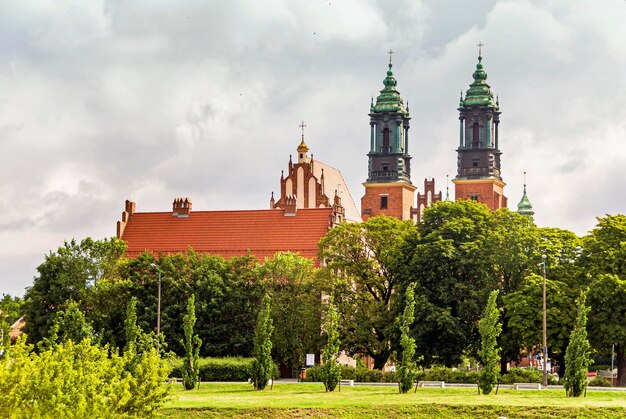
(478, 166)
(388, 189)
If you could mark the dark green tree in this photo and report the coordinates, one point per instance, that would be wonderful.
(192, 347)
(296, 307)
(577, 356)
(407, 370)
(130, 326)
(490, 328)
(69, 274)
(451, 264)
(330, 370)
(361, 261)
(70, 324)
(262, 365)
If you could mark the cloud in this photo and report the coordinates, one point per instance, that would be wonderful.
(102, 101)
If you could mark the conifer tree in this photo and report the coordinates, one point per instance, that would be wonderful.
(192, 346)
(577, 359)
(407, 370)
(489, 353)
(262, 366)
(330, 371)
(130, 326)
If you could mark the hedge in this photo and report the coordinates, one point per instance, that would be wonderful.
(219, 369)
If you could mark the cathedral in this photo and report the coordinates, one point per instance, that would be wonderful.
(307, 207)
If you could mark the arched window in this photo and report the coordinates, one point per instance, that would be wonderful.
(475, 134)
(386, 140)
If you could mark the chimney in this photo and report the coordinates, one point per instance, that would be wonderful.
(181, 208)
(290, 206)
(129, 209)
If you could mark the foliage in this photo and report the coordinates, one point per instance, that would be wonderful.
(296, 307)
(330, 371)
(220, 369)
(450, 261)
(489, 353)
(262, 363)
(70, 324)
(79, 380)
(69, 274)
(130, 326)
(525, 375)
(361, 261)
(577, 356)
(407, 369)
(598, 381)
(192, 346)
(604, 258)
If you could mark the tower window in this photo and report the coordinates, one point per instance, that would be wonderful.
(386, 139)
(475, 164)
(473, 197)
(383, 202)
(475, 134)
(385, 168)
(301, 155)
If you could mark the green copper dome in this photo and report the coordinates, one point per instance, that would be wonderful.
(389, 99)
(525, 207)
(479, 93)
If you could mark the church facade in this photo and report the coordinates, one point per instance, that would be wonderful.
(314, 197)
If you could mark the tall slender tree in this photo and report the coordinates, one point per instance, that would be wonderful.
(330, 371)
(408, 368)
(192, 346)
(263, 366)
(490, 329)
(577, 355)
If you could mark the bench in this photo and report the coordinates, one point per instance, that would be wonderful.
(527, 386)
(347, 383)
(440, 384)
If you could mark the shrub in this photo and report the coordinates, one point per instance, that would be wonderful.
(599, 382)
(519, 375)
(221, 369)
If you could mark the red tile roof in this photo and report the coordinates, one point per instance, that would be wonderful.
(228, 233)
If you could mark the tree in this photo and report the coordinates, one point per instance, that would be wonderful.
(262, 365)
(607, 300)
(296, 307)
(192, 346)
(130, 326)
(490, 329)
(361, 263)
(577, 356)
(330, 371)
(452, 266)
(69, 274)
(70, 324)
(604, 259)
(408, 368)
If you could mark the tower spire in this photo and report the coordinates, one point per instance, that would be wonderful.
(447, 188)
(525, 207)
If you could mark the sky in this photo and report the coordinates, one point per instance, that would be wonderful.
(103, 101)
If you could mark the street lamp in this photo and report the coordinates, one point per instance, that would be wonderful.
(152, 265)
(545, 332)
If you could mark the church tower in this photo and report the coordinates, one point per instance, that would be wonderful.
(388, 189)
(478, 176)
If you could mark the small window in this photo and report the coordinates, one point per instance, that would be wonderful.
(385, 168)
(386, 138)
(383, 202)
(301, 155)
(474, 197)
(475, 164)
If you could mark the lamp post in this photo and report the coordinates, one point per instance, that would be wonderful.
(158, 299)
(545, 332)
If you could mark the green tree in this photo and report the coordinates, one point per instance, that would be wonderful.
(451, 264)
(70, 324)
(10, 312)
(361, 261)
(330, 371)
(69, 274)
(130, 326)
(192, 346)
(490, 329)
(604, 260)
(577, 356)
(408, 367)
(296, 307)
(263, 366)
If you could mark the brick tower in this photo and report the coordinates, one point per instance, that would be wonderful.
(478, 176)
(388, 189)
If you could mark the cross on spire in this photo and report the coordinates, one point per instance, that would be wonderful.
(480, 46)
(390, 53)
(302, 127)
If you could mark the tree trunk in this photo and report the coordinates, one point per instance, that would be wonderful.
(621, 367)
(503, 362)
(379, 361)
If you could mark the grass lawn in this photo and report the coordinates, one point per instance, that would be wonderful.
(310, 400)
